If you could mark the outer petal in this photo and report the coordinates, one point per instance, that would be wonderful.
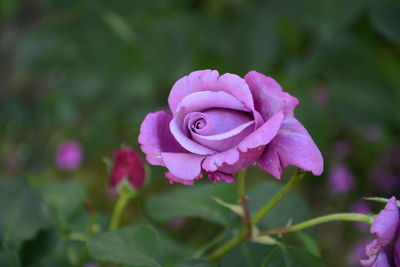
(268, 95)
(292, 146)
(384, 226)
(209, 80)
(396, 248)
(156, 138)
(247, 151)
(219, 176)
(173, 179)
(379, 260)
(183, 165)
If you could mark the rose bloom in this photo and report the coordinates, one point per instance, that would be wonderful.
(384, 250)
(220, 124)
(69, 155)
(127, 165)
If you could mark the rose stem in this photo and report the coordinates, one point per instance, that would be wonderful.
(237, 239)
(241, 176)
(123, 199)
(356, 217)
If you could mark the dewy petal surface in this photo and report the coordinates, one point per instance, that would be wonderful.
(155, 137)
(183, 165)
(268, 95)
(247, 151)
(293, 146)
(210, 80)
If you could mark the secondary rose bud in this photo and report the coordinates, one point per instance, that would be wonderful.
(127, 166)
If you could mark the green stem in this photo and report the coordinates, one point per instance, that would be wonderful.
(237, 239)
(229, 245)
(118, 210)
(356, 217)
(242, 199)
(257, 217)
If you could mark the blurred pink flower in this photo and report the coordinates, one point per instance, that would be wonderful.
(69, 155)
(340, 179)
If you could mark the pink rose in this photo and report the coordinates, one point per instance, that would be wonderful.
(220, 124)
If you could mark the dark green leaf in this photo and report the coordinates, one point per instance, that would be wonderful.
(193, 201)
(137, 245)
(291, 257)
(23, 213)
(385, 15)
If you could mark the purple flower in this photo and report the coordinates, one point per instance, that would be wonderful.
(357, 252)
(69, 155)
(379, 252)
(220, 124)
(127, 165)
(340, 179)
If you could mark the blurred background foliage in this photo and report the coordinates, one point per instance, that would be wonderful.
(91, 70)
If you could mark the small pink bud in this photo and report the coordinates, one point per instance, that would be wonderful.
(127, 165)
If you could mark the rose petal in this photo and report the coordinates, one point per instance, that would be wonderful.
(219, 176)
(227, 140)
(247, 151)
(186, 142)
(216, 121)
(292, 146)
(173, 179)
(379, 260)
(156, 138)
(183, 165)
(384, 226)
(209, 80)
(268, 95)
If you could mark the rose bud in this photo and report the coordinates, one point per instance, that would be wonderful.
(221, 124)
(127, 166)
(69, 155)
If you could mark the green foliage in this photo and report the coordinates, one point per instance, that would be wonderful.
(23, 213)
(292, 208)
(291, 257)
(136, 245)
(193, 201)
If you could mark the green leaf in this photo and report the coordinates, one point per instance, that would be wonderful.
(23, 213)
(194, 263)
(247, 254)
(66, 198)
(385, 16)
(291, 257)
(291, 208)
(137, 245)
(193, 201)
